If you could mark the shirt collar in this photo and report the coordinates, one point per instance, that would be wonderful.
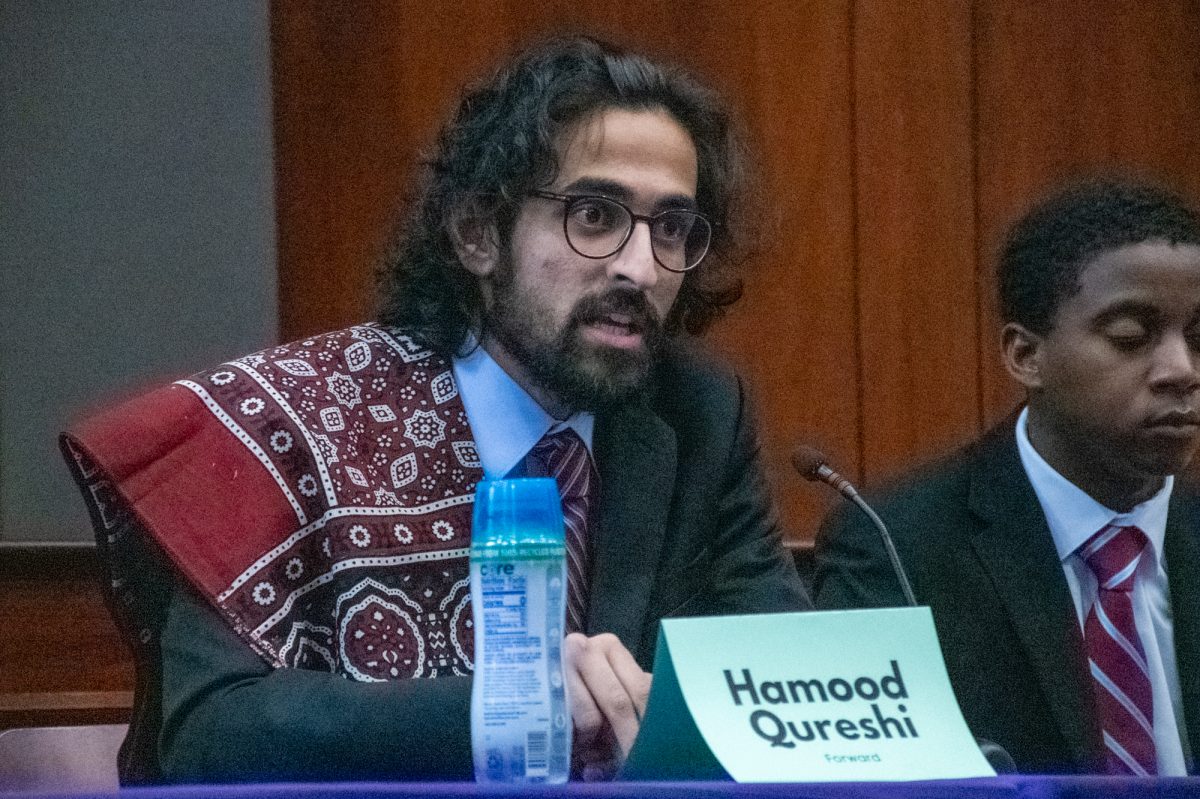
(1072, 515)
(505, 421)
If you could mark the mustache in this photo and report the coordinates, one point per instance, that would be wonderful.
(629, 303)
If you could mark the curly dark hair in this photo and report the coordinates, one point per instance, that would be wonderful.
(1049, 247)
(500, 144)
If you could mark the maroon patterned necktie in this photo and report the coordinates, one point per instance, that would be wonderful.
(1115, 655)
(564, 456)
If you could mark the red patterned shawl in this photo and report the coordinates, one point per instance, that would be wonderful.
(318, 493)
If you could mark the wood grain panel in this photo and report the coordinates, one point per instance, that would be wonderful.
(65, 708)
(787, 71)
(914, 179)
(359, 90)
(61, 658)
(1074, 87)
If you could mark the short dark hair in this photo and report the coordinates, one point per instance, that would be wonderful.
(500, 144)
(1049, 247)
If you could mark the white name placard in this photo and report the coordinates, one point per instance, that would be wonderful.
(859, 695)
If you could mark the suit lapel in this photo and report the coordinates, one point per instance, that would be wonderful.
(1182, 552)
(1015, 546)
(635, 456)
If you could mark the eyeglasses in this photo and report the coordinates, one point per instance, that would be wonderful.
(597, 227)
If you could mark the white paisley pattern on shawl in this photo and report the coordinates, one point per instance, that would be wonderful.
(365, 436)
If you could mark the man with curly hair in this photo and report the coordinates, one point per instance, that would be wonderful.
(288, 533)
(1059, 552)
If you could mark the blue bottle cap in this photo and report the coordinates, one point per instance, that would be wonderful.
(522, 511)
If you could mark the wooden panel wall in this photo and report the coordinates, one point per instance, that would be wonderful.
(1071, 87)
(898, 140)
(61, 659)
(915, 221)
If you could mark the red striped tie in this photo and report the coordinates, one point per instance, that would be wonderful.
(564, 456)
(1115, 654)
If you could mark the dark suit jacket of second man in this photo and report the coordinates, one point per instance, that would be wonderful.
(975, 542)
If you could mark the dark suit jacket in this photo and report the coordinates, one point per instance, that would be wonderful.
(685, 526)
(972, 535)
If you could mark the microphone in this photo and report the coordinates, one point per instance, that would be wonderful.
(811, 465)
(997, 756)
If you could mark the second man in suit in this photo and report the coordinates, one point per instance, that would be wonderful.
(1060, 553)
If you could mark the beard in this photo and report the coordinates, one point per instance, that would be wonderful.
(584, 375)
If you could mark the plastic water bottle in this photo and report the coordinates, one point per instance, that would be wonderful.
(520, 722)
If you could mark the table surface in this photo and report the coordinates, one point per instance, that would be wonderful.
(1007, 787)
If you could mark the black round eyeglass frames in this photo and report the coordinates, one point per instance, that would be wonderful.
(597, 227)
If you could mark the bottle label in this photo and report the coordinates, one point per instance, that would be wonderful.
(520, 720)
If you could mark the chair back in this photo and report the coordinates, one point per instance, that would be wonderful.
(68, 759)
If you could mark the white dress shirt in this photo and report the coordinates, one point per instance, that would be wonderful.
(505, 421)
(1074, 517)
